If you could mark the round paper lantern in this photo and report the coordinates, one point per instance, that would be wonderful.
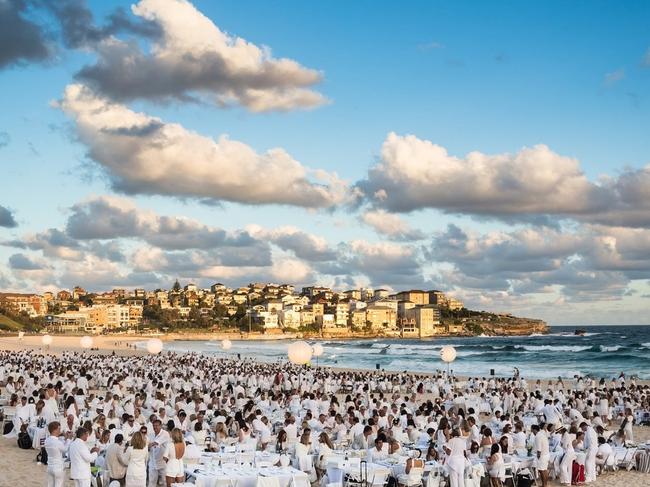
(300, 353)
(154, 346)
(86, 342)
(318, 350)
(448, 354)
(47, 340)
(226, 344)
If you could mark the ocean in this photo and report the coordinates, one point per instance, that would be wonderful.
(604, 351)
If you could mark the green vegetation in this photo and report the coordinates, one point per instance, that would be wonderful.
(8, 324)
(11, 322)
(474, 328)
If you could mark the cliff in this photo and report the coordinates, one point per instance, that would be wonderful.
(483, 323)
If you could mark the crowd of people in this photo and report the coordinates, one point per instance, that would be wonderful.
(144, 418)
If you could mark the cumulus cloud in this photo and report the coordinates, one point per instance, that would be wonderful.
(193, 56)
(23, 262)
(386, 264)
(391, 225)
(533, 185)
(97, 274)
(415, 173)
(589, 263)
(78, 28)
(21, 39)
(304, 245)
(111, 217)
(142, 154)
(7, 219)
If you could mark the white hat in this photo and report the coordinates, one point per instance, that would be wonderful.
(220, 419)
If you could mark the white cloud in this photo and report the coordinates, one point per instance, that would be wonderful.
(531, 185)
(193, 56)
(391, 225)
(142, 154)
(415, 173)
(304, 245)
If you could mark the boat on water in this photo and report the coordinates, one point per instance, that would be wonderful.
(580, 332)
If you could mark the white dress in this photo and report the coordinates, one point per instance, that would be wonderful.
(566, 464)
(174, 465)
(136, 471)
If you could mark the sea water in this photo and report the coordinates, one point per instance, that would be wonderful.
(603, 351)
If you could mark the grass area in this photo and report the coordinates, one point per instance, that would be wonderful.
(7, 324)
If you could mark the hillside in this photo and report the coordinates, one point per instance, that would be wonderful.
(7, 324)
(484, 323)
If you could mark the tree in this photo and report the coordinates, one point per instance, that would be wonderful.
(177, 286)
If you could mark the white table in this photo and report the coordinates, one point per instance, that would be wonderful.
(209, 476)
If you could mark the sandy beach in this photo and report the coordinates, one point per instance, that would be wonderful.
(122, 345)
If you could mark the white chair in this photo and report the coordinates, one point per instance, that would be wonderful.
(306, 464)
(411, 479)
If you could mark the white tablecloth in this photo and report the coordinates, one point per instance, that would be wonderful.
(242, 476)
(246, 457)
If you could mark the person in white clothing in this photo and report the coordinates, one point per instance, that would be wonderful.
(136, 459)
(604, 454)
(81, 458)
(566, 463)
(379, 451)
(157, 445)
(591, 445)
(55, 449)
(543, 454)
(456, 460)
(173, 456)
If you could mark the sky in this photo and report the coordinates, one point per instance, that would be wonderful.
(498, 151)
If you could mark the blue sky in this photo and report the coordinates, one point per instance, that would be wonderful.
(491, 77)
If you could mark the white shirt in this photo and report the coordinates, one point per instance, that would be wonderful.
(457, 446)
(541, 443)
(80, 459)
(55, 449)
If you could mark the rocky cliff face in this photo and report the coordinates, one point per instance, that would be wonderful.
(514, 326)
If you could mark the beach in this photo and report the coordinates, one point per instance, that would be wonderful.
(68, 343)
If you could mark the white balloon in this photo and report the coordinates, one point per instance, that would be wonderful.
(154, 346)
(448, 353)
(299, 353)
(86, 342)
(226, 344)
(318, 350)
(47, 340)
